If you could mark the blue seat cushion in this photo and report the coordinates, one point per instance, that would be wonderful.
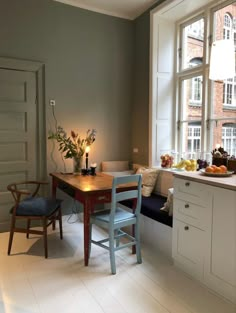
(38, 206)
(120, 215)
(151, 207)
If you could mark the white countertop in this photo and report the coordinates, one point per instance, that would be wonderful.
(223, 182)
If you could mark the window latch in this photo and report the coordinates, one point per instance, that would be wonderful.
(178, 125)
(180, 52)
(210, 40)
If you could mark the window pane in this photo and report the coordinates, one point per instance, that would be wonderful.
(224, 28)
(192, 47)
(223, 103)
(192, 98)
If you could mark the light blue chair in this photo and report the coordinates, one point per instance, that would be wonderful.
(117, 217)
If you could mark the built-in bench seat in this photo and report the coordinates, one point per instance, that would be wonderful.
(151, 207)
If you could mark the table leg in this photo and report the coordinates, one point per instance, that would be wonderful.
(54, 192)
(86, 231)
(54, 187)
(133, 226)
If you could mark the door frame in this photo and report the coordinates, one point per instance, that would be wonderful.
(39, 69)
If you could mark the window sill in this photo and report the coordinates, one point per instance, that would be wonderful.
(229, 107)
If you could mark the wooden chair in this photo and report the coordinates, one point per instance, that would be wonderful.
(29, 206)
(117, 217)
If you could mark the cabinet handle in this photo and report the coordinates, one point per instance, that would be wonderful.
(186, 228)
(187, 184)
(186, 206)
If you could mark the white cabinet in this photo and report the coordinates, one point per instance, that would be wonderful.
(192, 214)
(220, 272)
(204, 234)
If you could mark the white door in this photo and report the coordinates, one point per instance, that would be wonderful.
(18, 132)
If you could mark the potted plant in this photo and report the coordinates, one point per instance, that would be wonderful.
(73, 147)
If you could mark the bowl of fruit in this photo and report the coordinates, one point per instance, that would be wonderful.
(187, 165)
(166, 160)
(216, 171)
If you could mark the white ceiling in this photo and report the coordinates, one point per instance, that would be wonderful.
(128, 9)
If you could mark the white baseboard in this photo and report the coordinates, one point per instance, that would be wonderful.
(4, 226)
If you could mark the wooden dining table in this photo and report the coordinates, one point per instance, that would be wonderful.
(88, 190)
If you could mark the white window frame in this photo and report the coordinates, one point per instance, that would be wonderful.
(183, 74)
(174, 13)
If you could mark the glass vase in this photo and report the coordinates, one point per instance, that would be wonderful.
(77, 164)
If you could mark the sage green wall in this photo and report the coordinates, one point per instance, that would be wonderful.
(140, 115)
(97, 70)
(89, 68)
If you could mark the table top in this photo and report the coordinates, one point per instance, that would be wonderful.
(88, 183)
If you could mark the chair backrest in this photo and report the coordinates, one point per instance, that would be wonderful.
(136, 193)
(24, 189)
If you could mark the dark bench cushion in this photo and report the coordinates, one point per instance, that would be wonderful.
(151, 207)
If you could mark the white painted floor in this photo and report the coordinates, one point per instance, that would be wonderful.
(29, 283)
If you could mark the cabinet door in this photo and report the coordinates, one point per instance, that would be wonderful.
(221, 262)
(188, 248)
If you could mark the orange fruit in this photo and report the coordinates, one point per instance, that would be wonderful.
(223, 168)
(209, 169)
(218, 170)
(213, 167)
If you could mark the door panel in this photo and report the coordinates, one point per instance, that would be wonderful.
(18, 132)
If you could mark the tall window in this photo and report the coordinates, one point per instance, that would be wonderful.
(205, 108)
(229, 92)
(229, 84)
(191, 81)
(227, 31)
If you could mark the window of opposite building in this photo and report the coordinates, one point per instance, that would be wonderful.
(229, 138)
